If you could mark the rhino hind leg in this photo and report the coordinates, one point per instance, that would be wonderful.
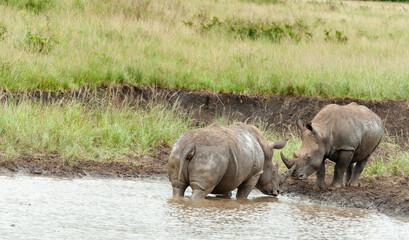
(349, 172)
(359, 167)
(246, 187)
(343, 161)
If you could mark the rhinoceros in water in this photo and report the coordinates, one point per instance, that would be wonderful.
(347, 135)
(218, 159)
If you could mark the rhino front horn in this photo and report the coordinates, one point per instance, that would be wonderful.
(288, 163)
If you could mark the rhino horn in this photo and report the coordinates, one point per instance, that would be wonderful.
(290, 171)
(287, 174)
(288, 163)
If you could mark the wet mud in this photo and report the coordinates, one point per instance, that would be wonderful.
(388, 195)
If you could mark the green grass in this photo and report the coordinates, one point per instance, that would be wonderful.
(94, 132)
(388, 160)
(296, 47)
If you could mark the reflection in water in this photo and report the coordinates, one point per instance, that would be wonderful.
(49, 208)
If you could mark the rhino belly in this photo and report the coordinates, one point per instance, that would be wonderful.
(369, 141)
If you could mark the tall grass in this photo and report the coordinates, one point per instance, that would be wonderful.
(341, 49)
(90, 132)
(388, 160)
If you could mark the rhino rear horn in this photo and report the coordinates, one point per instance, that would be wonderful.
(288, 163)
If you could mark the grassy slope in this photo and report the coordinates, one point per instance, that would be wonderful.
(111, 132)
(332, 48)
(88, 132)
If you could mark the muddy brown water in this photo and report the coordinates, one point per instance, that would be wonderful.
(57, 208)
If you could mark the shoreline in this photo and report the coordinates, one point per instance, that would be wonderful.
(387, 195)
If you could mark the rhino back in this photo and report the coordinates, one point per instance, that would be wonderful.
(349, 127)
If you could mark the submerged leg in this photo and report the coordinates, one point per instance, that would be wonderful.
(179, 191)
(342, 162)
(359, 167)
(198, 193)
(320, 182)
(246, 187)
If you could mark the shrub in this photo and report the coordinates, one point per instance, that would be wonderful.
(33, 5)
(3, 30)
(337, 36)
(38, 42)
(243, 28)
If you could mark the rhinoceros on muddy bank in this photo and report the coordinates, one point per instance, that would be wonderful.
(347, 135)
(218, 159)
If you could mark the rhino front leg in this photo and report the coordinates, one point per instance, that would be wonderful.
(320, 182)
(342, 162)
(200, 190)
(246, 187)
(359, 167)
(179, 191)
(198, 193)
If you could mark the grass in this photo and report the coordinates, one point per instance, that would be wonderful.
(388, 160)
(92, 132)
(296, 47)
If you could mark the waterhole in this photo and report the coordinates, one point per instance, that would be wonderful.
(53, 208)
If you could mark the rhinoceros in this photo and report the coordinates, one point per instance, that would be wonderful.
(346, 135)
(218, 159)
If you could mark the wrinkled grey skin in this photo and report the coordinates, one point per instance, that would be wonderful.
(218, 159)
(346, 135)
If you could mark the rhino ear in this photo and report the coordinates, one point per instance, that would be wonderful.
(309, 126)
(300, 124)
(279, 144)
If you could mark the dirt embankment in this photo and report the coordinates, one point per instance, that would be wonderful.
(280, 111)
(386, 194)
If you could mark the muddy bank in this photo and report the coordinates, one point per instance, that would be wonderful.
(280, 111)
(130, 167)
(388, 195)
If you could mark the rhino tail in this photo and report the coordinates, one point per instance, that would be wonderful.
(187, 154)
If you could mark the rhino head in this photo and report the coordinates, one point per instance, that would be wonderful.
(271, 179)
(311, 154)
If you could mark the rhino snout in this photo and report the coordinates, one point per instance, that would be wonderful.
(275, 192)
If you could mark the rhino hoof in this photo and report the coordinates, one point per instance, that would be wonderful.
(354, 184)
(318, 187)
(335, 186)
